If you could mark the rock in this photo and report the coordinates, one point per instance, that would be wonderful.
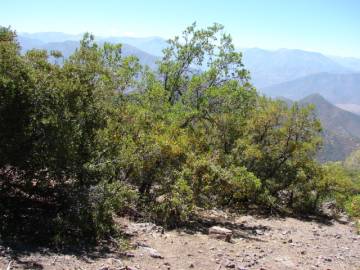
(128, 268)
(230, 264)
(153, 253)
(343, 219)
(127, 254)
(220, 233)
(191, 265)
(114, 262)
(141, 244)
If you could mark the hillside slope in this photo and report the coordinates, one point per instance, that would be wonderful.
(341, 128)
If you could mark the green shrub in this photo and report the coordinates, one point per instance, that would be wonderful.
(108, 199)
(174, 208)
(352, 206)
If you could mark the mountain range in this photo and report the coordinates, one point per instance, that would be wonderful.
(338, 88)
(289, 73)
(273, 67)
(67, 47)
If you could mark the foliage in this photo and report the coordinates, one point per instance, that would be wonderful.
(174, 207)
(336, 183)
(353, 206)
(52, 119)
(278, 146)
(99, 136)
(352, 162)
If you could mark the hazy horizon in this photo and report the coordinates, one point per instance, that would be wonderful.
(327, 27)
(79, 35)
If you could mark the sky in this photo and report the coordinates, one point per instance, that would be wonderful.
(328, 26)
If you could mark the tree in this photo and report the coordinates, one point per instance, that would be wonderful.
(279, 147)
(186, 59)
(52, 121)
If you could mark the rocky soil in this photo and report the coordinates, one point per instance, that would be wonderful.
(256, 243)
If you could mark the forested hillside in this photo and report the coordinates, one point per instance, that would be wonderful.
(78, 149)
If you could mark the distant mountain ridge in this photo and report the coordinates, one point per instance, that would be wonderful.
(337, 88)
(67, 47)
(341, 129)
(348, 62)
(267, 67)
(272, 67)
(47, 37)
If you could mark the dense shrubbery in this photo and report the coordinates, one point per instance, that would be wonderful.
(95, 135)
(352, 167)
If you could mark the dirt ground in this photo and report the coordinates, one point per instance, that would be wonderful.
(257, 243)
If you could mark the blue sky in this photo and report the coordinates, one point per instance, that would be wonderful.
(328, 26)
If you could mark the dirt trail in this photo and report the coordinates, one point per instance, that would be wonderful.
(258, 243)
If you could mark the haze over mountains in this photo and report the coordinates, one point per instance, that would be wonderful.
(273, 67)
(67, 44)
(338, 88)
(289, 73)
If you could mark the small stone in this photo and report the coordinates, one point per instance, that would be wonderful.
(230, 265)
(153, 253)
(127, 254)
(191, 265)
(156, 255)
(141, 244)
(220, 233)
